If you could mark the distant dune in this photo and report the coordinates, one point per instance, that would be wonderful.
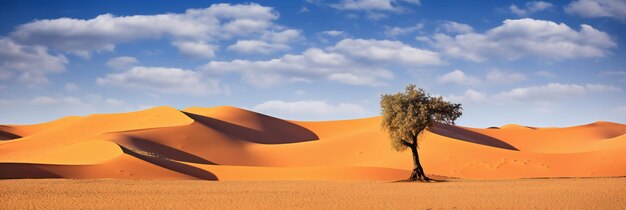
(228, 143)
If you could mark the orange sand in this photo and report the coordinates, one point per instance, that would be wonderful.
(588, 193)
(227, 143)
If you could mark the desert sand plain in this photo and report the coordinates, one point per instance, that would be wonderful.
(265, 162)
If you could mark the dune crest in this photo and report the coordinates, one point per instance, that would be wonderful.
(229, 143)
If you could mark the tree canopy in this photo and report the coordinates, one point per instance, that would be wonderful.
(406, 115)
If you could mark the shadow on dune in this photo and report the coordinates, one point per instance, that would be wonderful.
(171, 165)
(8, 136)
(24, 171)
(277, 131)
(163, 151)
(470, 136)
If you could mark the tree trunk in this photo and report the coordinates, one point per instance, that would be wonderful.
(418, 171)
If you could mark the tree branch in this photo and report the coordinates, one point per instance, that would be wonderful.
(405, 143)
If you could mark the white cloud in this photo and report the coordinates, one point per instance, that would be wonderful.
(399, 31)
(494, 76)
(538, 95)
(114, 102)
(554, 91)
(122, 62)
(458, 77)
(364, 5)
(199, 49)
(602, 88)
(469, 96)
(387, 51)
(598, 8)
(304, 10)
(351, 61)
(309, 108)
(163, 80)
(530, 7)
(376, 16)
(71, 87)
(47, 100)
(374, 9)
(515, 39)
(193, 32)
(256, 47)
(334, 33)
(454, 27)
(270, 42)
(31, 64)
(282, 37)
(19, 110)
(546, 74)
(618, 74)
(475, 95)
(423, 39)
(506, 77)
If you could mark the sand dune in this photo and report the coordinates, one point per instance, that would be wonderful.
(228, 143)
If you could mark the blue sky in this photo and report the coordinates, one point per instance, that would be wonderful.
(556, 63)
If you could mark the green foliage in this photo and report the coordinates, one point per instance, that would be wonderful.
(406, 115)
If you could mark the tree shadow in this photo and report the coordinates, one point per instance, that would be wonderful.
(462, 134)
(165, 151)
(278, 131)
(418, 181)
(173, 166)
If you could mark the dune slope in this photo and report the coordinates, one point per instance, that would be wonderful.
(228, 143)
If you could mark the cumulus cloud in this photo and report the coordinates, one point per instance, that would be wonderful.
(196, 32)
(350, 61)
(310, 108)
(372, 5)
(400, 31)
(554, 91)
(497, 76)
(598, 8)
(269, 42)
(282, 37)
(527, 37)
(198, 49)
(617, 74)
(386, 51)
(193, 32)
(454, 27)
(530, 7)
(29, 64)
(458, 77)
(494, 76)
(163, 80)
(122, 62)
(374, 9)
(469, 96)
(541, 94)
(256, 47)
(47, 100)
(334, 33)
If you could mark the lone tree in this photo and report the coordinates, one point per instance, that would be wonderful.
(406, 116)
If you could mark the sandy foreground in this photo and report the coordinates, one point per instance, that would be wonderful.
(588, 193)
